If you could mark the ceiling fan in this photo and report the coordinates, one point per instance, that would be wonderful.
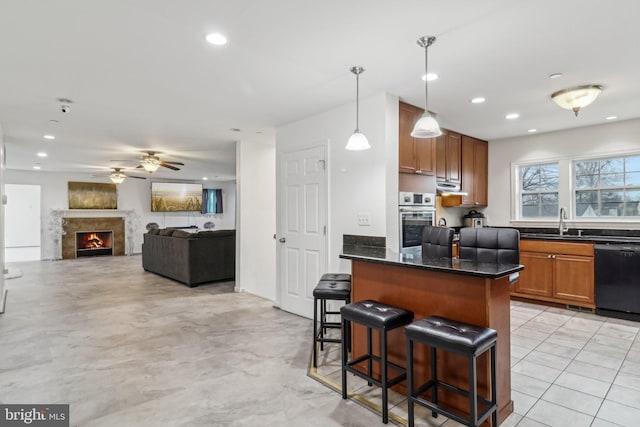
(150, 162)
(117, 176)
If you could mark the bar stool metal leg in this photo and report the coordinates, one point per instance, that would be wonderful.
(343, 330)
(434, 376)
(315, 332)
(494, 387)
(369, 352)
(473, 401)
(383, 372)
(410, 406)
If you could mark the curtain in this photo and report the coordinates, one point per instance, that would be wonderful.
(211, 201)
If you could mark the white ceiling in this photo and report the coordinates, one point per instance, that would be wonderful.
(142, 77)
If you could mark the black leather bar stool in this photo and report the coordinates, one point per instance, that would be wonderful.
(455, 337)
(334, 287)
(383, 318)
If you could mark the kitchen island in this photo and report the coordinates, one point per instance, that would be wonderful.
(460, 290)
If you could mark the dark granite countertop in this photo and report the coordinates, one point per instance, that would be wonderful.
(414, 259)
(583, 239)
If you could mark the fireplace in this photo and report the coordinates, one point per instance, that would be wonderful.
(94, 243)
(72, 226)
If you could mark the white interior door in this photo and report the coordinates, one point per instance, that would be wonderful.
(303, 232)
(22, 223)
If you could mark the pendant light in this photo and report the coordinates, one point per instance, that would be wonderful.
(426, 126)
(357, 141)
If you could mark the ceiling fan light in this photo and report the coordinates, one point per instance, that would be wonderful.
(426, 127)
(357, 141)
(150, 165)
(575, 98)
(117, 177)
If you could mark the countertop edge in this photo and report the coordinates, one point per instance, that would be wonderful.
(451, 270)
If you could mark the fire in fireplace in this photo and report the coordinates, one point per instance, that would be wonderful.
(94, 243)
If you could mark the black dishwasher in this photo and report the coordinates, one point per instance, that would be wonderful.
(617, 280)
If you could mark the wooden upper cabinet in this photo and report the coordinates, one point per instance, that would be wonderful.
(448, 147)
(474, 165)
(416, 155)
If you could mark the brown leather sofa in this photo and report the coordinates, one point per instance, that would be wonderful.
(190, 258)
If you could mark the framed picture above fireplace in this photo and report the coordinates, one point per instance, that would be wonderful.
(92, 195)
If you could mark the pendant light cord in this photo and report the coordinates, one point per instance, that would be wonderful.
(357, 102)
(426, 78)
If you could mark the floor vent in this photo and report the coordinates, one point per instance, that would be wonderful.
(578, 308)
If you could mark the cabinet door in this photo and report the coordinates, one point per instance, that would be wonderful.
(537, 276)
(453, 157)
(425, 154)
(481, 173)
(573, 278)
(441, 156)
(406, 143)
(467, 163)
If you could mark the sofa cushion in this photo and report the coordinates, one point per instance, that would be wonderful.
(154, 231)
(184, 234)
(216, 233)
(166, 232)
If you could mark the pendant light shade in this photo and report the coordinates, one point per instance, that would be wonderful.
(575, 98)
(357, 141)
(426, 126)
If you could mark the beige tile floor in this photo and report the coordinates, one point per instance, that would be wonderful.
(129, 348)
(569, 369)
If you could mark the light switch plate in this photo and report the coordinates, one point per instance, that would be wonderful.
(364, 218)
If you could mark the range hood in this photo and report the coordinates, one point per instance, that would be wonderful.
(449, 189)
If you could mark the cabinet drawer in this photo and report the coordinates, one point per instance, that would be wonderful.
(554, 247)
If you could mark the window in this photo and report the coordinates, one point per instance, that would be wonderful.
(607, 187)
(539, 190)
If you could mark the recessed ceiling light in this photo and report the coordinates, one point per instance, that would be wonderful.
(42, 154)
(611, 117)
(37, 167)
(512, 116)
(216, 39)
(49, 137)
(532, 130)
(478, 100)
(204, 178)
(429, 77)
(555, 75)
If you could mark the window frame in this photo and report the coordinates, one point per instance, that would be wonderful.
(517, 175)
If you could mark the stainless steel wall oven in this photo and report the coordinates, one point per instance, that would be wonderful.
(416, 210)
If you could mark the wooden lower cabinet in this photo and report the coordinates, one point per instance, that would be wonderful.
(560, 272)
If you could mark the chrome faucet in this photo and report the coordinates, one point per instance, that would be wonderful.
(561, 227)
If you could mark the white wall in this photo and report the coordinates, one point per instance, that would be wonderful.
(358, 181)
(611, 138)
(133, 194)
(2, 170)
(256, 205)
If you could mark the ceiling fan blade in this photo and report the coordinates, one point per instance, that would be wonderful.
(163, 164)
(174, 163)
(137, 177)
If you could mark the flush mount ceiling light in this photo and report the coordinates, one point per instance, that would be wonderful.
(426, 126)
(216, 39)
(575, 98)
(357, 141)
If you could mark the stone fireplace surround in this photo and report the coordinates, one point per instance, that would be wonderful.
(73, 225)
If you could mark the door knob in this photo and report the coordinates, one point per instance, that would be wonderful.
(282, 240)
